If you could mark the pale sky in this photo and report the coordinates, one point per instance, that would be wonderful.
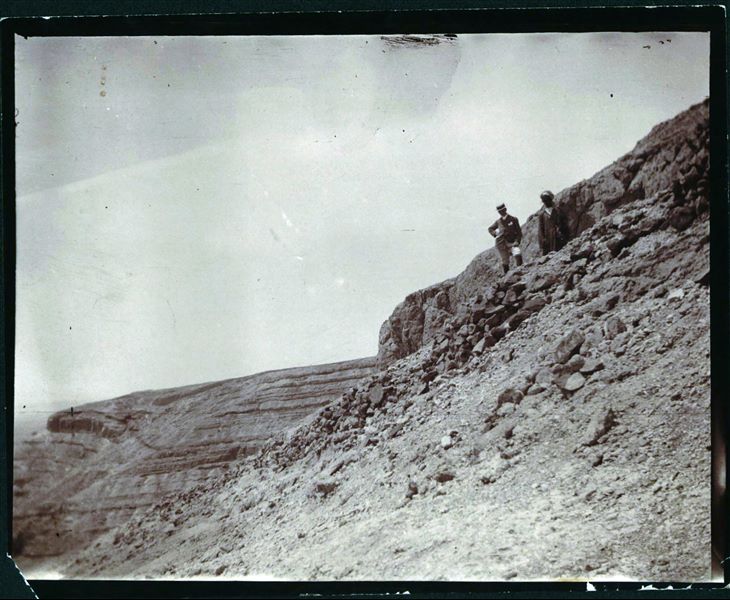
(197, 208)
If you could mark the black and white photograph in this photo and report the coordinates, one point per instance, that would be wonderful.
(363, 307)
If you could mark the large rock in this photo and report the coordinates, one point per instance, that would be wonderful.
(414, 322)
(377, 395)
(681, 217)
(544, 377)
(591, 365)
(613, 327)
(510, 395)
(568, 345)
(516, 319)
(574, 382)
(479, 346)
(599, 425)
(575, 363)
(534, 303)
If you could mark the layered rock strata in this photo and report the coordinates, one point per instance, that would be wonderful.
(99, 464)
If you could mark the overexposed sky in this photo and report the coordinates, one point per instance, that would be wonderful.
(197, 208)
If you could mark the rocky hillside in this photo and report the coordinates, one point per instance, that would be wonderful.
(97, 466)
(670, 164)
(553, 422)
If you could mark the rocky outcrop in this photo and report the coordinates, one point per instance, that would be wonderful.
(655, 260)
(669, 166)
(102, 462)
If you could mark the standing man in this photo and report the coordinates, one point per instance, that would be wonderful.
(551, 234)
(508, 232)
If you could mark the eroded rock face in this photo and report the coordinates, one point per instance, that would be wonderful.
(97, 466)
(669, 166)
(415, 320)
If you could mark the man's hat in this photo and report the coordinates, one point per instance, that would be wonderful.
(501, 207)
(547, 195)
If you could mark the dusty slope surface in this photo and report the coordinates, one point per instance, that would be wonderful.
(555, 423)
(96, 467)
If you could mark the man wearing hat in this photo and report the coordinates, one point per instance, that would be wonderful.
(551, 234)
(508, 232)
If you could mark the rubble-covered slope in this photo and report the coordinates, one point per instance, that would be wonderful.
(672, 160)
(554, 423)
(97, 466)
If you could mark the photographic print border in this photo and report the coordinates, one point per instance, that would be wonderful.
(342, 18)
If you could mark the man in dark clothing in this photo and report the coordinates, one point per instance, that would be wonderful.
(551, 234)
(508, 232)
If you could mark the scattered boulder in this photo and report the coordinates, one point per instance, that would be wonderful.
(494, 312)
(599, 426)
(543, 281)
(659, 291)
(518, 287)
(617, 243)
(574, 382)
(493, 469)
(517, 318)
(618, 345)
(447, 442)
(441, 300)
(534, 303)
(377, 395)
(510, 395)
(412, 489)
(613, 326)
(584, 252)
(325, 487)
(575, 363)
(544, 377)
(609, 302)
(429, 375)
(677, 294)
(591, 365)
(560, 375)
(498, 332)
(443, 475)
(514, 277)
(479, 347)
(681, 217)
(569, 345)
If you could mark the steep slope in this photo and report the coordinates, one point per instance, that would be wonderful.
(672, 161)
(96, 467)
(553, 422)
